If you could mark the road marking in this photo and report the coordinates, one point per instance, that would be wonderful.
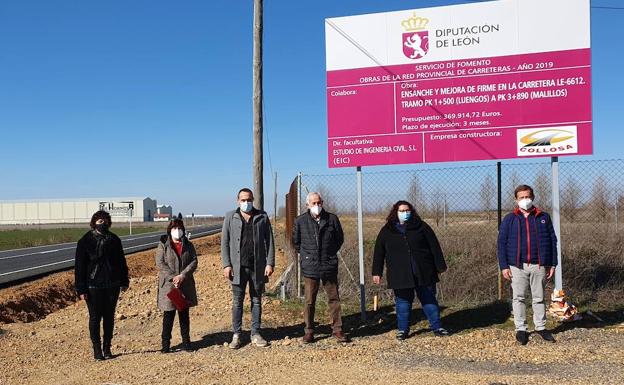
(37, 247)
(37, 267)
(69, 243)
(39, 252)
(144, 235)
(145, 244)
(72, 260)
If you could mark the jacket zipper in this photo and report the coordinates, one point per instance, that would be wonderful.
(539, 262)
(528, 229)
(518, 248)
(316, 239)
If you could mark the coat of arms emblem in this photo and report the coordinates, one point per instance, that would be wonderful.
(415, 37)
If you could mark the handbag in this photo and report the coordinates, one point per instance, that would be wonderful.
(178, 299)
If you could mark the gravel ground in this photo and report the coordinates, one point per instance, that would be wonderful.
(55, 349)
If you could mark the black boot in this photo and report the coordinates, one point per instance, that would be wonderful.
(522, 336)
(185, 330)
(546, 335)
(107, 350)
(166, 346)
(97, 352)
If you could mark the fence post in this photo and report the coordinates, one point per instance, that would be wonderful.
(615, 204)
(361, 242)
(499, 195)
(275, 200)
(556, 218)
(299, 213)
(444, 212)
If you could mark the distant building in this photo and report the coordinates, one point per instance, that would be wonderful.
(163, 213)
(137, 209)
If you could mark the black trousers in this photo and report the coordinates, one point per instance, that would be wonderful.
(101, 304)
(185, 325)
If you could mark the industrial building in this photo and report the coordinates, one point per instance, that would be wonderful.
(17, 212)
(163, 213)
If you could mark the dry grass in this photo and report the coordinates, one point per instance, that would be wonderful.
(593, 262)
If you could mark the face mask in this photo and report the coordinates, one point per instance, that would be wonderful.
(525, 203)
(177, 234)
(404, 216)
(102, 227)
(316, 210)
(246, 206)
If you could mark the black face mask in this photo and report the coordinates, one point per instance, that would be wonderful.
(102, 227)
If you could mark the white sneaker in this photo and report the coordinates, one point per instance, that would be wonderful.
(257, 340)
(235, 344)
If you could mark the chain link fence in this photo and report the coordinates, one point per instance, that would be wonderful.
(461, 205)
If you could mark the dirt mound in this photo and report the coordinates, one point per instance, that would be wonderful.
(34, 300)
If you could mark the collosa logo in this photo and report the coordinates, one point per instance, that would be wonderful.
(547, 141)
(415, 37)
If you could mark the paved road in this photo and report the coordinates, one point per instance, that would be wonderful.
(23, 263)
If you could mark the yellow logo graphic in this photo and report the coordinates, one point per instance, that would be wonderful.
(415, 23)
(546, 137)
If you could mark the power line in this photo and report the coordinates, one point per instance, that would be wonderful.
(591, 6)
(266, 134)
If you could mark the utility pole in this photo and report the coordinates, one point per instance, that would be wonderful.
(499, 214)
(258, 166)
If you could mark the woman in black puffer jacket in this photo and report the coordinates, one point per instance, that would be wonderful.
(100, 273)
(411, 252)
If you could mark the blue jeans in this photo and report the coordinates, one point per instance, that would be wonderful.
(238, 297)
(403, 299)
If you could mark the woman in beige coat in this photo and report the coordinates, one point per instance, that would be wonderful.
(176, 260)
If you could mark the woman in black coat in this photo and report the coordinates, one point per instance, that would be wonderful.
(100, 273)
(413, 258)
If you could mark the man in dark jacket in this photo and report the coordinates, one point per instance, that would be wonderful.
(527, 256)
(248, 257)
(317, 237)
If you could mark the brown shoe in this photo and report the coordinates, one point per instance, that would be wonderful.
(340, 336)
(308, 338)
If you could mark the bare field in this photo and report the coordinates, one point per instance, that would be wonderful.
(593, 260)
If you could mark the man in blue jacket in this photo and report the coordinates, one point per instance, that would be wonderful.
(527, 256)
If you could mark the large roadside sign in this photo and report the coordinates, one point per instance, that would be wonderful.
(118, 209)
(493, 80)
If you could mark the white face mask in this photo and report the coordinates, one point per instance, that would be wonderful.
(316, 210)
(246, 206)
(176, 234)
(525, 203)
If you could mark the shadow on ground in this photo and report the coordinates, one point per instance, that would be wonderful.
(599, 319)
(384, 320)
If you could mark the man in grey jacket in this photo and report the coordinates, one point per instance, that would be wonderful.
(247, 256)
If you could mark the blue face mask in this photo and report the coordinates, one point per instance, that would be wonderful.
(404, 216)
(246, 206)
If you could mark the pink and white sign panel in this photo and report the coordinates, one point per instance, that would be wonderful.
(493, 80)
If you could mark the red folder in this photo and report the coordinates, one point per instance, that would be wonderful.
(178, 299)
